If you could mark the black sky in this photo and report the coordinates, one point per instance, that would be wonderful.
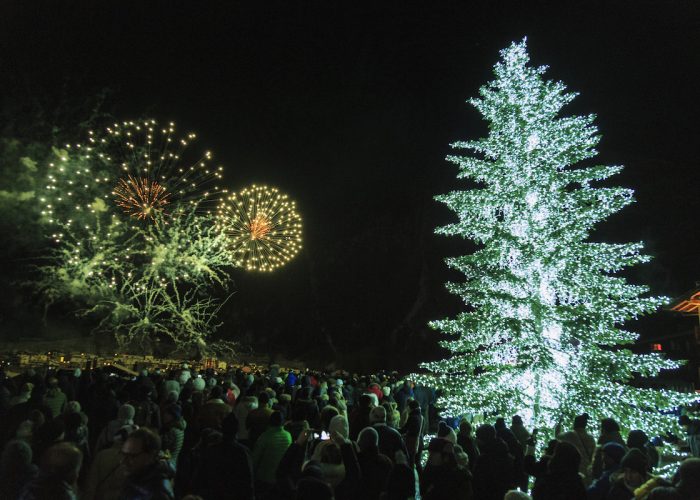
(350, 108)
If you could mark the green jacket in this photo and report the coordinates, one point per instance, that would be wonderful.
(268, 451)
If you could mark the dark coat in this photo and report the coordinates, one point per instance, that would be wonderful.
(375, 469)
(390, 441)
(152, 483)
(446, 483)
(494, 471)
(559, 487)
(225, 471)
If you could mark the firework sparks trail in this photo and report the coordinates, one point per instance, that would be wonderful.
(141, 197)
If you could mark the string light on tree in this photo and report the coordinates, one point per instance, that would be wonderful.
(542, 337)
(263, 227)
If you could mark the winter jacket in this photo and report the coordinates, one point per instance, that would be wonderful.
(559, 487)
(47, 487)
(446, 483)
(389, 441)
(375, 469)
(56, 400)
(225, 471)
(153, 483)
(173, 437)
(269, 449)
(494, 471)
(107, 475)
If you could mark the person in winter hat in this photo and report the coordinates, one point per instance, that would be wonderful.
(173, 432)
(268, 451)
(198, 384)
(125, 417)
(519, 431)
(609, 433)
(632, 474)
(612, 454)
(494, 470)
(638, 439)
(446, 432)
(584, 443)
(390, 440)
(562, 479)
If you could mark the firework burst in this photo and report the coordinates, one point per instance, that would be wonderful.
(140, 197)
(132, 169)
(263, 227)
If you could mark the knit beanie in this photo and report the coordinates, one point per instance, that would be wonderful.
(377, 415)
(635, 460)
(199, 384)
(72, 407)
(447, 432)
(637, 439)
(367, 438)
(486, 433)
(125, 414)
(614, 450)
(339, 423)
(374, 398)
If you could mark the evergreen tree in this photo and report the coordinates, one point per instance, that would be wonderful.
(541, 336)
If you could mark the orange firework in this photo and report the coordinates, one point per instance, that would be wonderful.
(259, 227)
(263, 226)
(141, 197)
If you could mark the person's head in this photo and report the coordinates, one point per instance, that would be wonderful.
(551, 446)
(125, 414)
(684, 420)
(140, 450)
(446, 432)
(609, 426)
(485, 433)
(581, 421)
(565, 459)
(229, 426)
(500, 423)
(16, 453)
(465, 427)
(368, 439)
(63, 461)
(330, 454)
(516, 495)
(377, 415)
(340, 424)
(413, 405)
(327, 415)
(276, 419)
(517, 420)
(689, 475)
(172, 413)
(637, 439)
(263, 399)
(634, 465)
(613, 454)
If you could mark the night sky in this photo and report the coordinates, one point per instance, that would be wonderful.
(350, 108)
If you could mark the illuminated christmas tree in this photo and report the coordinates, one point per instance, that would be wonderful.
(541, 336)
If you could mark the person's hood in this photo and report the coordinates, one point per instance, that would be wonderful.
(333, 474)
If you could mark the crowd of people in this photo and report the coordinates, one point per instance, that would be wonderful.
(275, 434)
